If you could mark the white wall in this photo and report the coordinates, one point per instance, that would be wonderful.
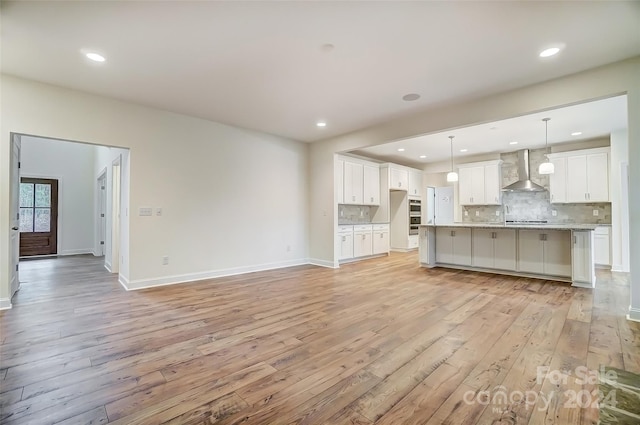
(614, 79)
(233, 200)
(72, 165)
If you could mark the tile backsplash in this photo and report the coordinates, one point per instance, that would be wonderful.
(354, 214)
(534, 205)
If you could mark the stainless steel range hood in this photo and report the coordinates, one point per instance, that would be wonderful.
(524, 183)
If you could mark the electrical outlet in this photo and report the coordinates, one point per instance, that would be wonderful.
(158, 211)
(466, 213)
(477, 213)
(497, 213)
(554, 213)
(288, 248)
(595, 213)
(165, 260)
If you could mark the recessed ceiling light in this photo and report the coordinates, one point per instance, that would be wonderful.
(410, 97)
(513, 143)
(463, 150)
(321, 124)
(549, 52)
(576, 133)
(423, 156)
(95, 57)
(400, 149)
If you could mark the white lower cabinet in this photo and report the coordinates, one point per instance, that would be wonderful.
(582, 258)
(494, 249)
(345, 238)
(544, 252)
(362, 240)
(453, 245)
(380, 238)
(602, 246)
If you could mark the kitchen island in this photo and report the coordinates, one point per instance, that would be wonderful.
(562, 252)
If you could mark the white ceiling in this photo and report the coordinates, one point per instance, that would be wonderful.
(594, 120)
(261, 65)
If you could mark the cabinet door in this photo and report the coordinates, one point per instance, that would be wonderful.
(444, 245)
(601, 249)
(353, 183)
(346, 246)
(477, 186)
(371, 185)
(558, 181)
(380, 242)
(577, 178)
(465, 186)
(358, 245)
(338, 178)
(504, 249)
(426, 256)
(598, 177)
(557, 252)
(582, 264)
(482, 248)
(492, 185)
(367, 243)
(398, 179)
(415, 183)
(462, 246)
(531, 249)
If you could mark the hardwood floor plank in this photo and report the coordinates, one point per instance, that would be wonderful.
(380, 341)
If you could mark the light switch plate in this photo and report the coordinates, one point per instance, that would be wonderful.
(497, 213)
(477, 213)
(595, 213)
(158, 211)
(554, 213)
(466, 213)
(145, 212)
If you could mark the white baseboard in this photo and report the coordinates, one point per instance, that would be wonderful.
(321, 263)
(192, 277)
(76, 251)
(634, 314)
(5, 303)
(107, 265)
(619, 268)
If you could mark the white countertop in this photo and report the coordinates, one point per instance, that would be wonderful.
(546, 226)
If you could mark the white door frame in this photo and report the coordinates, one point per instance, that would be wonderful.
(115, 215)
(14, 197)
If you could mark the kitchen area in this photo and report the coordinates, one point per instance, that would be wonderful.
(550, 208)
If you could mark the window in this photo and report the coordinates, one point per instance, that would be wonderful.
(35, 206)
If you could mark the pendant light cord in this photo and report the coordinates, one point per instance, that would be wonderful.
(546, 135)
(451, 138)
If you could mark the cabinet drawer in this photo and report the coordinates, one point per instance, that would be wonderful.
(345, 229)
(362, 228)
(602, 230)
(381, 227)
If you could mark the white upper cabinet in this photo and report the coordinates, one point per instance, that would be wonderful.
(480, 183)
(580, 176)
(338, 177)
(415, 183)
(398, 178)
(357, 182)
(371, 185)
(353, 183)
(558, 180)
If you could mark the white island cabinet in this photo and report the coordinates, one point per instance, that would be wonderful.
(556, 252)
(494, 248)
(453, 246)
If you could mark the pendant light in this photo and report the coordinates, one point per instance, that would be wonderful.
(546, 167)
(452, 176)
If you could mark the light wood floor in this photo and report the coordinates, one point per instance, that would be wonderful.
(381, 341)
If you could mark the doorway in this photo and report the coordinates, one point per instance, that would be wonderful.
(115, 214)
(38, 216)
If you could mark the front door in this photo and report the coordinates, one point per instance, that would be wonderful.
(38, 216)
